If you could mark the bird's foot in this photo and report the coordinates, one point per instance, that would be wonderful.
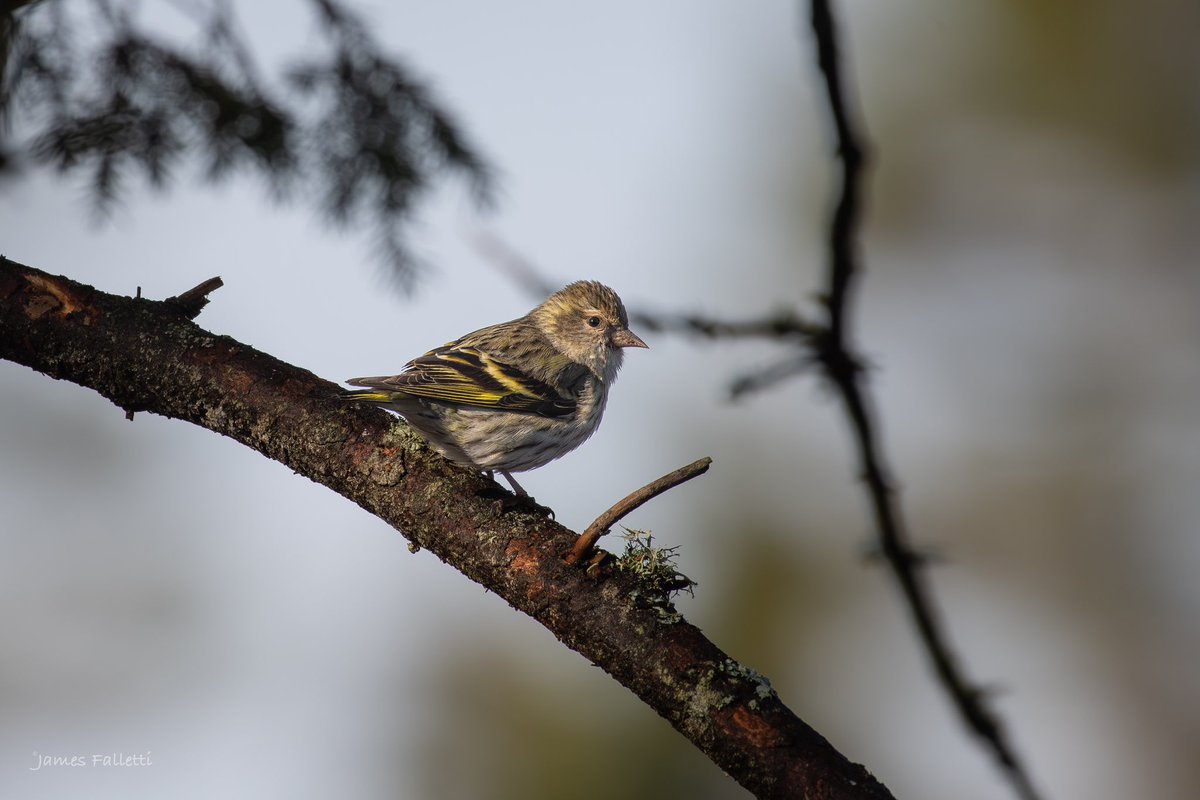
(525, 503)
(520, 500)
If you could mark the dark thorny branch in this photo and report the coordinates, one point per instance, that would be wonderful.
(843, 368)
(91, 91)
(826, 344)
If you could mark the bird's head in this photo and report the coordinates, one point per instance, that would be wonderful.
(586, 321)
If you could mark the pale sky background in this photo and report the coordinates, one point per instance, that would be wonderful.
(1032, 308)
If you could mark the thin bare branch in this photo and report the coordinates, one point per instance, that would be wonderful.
(630, 503)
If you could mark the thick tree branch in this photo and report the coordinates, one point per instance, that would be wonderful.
(146, 356)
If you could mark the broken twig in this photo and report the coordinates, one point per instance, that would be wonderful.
(193, 301)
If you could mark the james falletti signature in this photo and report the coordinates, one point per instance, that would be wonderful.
(43, 760)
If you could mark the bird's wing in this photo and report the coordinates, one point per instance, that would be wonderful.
(466, 376)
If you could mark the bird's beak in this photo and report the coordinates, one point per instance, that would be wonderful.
(623, 337)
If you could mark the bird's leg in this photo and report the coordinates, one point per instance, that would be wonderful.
(513, 483)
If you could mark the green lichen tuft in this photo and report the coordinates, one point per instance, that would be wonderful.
(657, 577)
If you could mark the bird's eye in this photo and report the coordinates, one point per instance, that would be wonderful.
(594, 321)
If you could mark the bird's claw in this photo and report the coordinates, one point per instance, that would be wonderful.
(523, 502)
(507, 501)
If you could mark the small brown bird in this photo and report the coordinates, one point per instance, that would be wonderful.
(515, 396)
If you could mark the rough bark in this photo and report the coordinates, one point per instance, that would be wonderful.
(147, 356)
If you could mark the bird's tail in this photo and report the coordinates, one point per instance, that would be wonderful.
(368, 396)
(374, 390)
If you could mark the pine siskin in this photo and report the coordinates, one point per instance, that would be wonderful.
(515, 396)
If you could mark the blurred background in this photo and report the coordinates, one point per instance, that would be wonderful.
(1032, 308)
